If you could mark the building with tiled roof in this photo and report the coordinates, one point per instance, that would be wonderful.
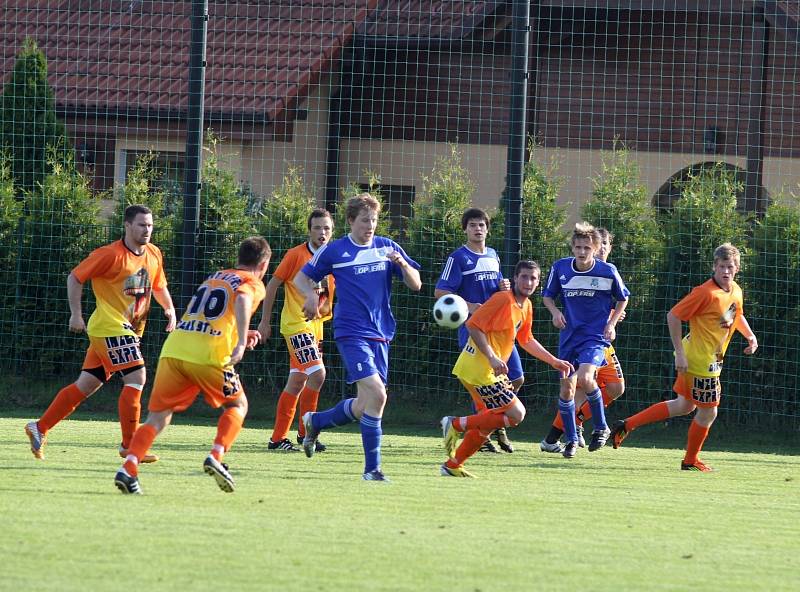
(345, 86)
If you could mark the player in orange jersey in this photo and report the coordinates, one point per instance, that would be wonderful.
(303, 336)
(609, 377)
(200, 355)
(124, 274)
(713, 310)
(482, 367)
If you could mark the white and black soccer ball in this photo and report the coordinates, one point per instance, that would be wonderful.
(450, 311)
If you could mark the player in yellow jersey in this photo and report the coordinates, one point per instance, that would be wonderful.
(482, 367)
(124, 274)
(303, 336)
(713, 310)
(200, 355)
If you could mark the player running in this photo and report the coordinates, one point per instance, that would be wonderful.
(713, 310)
(587, 287)
(609, 377)
(363, 265)
(483, 370)
(200, 355)
(124, 274)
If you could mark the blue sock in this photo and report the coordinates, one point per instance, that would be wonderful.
(598, 413)
(338, 415)
(566, 409)
(371, 433)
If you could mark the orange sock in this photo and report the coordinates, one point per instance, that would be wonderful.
(697, 436)
(654, 413)
(228, 428)
(586, 410)
(558, 422)
(309, 398)
(472, 441)
(284, 415)
(130, 409)
(487, 422)
(140, 444)
(65, 402)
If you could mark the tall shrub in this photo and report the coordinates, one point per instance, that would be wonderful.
(28, 122)
(353, 189)
(283, 217)
(224, 212)
(620, 203)
(10, 235)
(61, 227)
(704, 217)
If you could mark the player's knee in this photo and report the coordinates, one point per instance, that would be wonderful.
(615, 389)
(240, 405)
(317, 379)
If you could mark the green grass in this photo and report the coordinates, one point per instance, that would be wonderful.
(622, 520)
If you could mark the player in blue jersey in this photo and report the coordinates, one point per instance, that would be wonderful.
(473, 272)
(363, 266)
(587, 288)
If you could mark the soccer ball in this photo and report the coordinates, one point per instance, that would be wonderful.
(450, 311)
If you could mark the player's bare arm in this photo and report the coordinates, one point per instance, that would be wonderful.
(411, 276)
(479, 337)
(265, 326)
(164, 299)
(675, 327)
(610, 331)
(74, 292)
(743, 327)
(559, 322)
(308, 288)
(242, 310)
(538, 351)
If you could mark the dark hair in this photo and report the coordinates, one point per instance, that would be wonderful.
(526, 264)
(361, 202)
(132, 211)
(253, 251)
(318, 213)
(474, 214)
(605, 235)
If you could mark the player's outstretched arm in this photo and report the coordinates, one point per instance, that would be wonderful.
(538, 351)
(743, 327)
(265, 326)
(164, 299)
(74, 292)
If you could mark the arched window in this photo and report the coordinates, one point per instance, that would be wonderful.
(670, 191)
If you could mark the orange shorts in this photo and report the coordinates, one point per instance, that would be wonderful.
(703, 391)
(612, 371)
(113, 354)
(495, 397)
(178, 383)
(305, 353)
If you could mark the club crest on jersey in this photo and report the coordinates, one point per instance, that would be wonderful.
(384, 251)
(595, 283)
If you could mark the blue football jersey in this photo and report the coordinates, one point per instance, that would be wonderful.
(363, 275)
(586, 297)
(473, 276)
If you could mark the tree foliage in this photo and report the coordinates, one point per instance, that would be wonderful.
(28, 123)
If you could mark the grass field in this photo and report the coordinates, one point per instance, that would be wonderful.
(621, 520)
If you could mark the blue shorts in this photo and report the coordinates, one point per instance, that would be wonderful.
(363, 358)
(587, 353)
(514, 365)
